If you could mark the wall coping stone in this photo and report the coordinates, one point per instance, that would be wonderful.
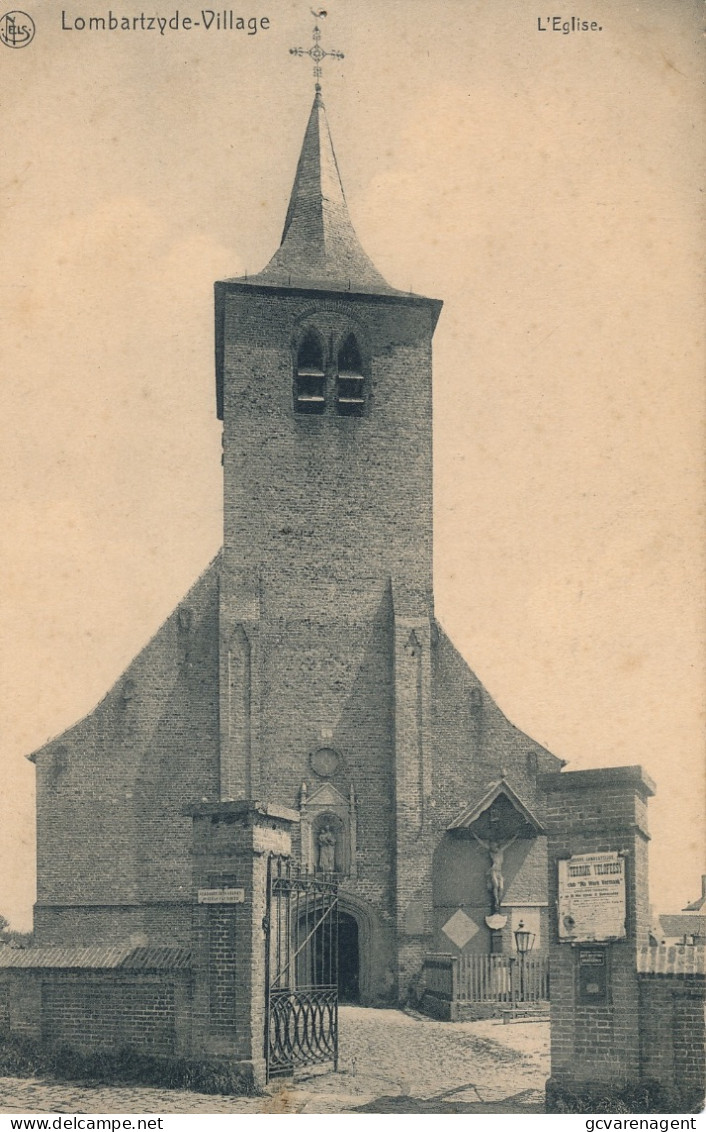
(240, 808)
(324, 287)
(99, 958)
(671, 961)
(599, 778)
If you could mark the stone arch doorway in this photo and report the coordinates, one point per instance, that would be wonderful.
(363, 941)
(348, 958)
(313, 966)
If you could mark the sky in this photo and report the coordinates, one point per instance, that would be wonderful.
(545, 185)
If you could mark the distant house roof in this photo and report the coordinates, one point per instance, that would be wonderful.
(683, 923)
(700, 904)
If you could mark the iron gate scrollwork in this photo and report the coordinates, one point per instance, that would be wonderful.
(301, 977)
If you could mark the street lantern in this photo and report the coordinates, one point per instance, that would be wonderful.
(524, 942)
(524, 939)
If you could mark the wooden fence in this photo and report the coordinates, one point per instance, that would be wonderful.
(452, 980)
(503, 978)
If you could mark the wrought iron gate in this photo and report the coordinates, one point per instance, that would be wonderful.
(301, 978)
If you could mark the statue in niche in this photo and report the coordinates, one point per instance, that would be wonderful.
(496, 852)
(327, 850)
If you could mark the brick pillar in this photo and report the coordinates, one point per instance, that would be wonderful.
(413, 891)
(595, 1016)
(232, 841)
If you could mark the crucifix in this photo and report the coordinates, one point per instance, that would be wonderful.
(316, 51)
(496, 851)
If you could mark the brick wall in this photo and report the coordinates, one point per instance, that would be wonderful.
(84, 925)
(355, 691)
(94, 1009)
(202, 1003)
(672, 1030)
(90, 1012)
(222, 968)
(328, 574)
(473, 739)
(651, 1024)
(312, 500)
(672, 988)
(111, 834)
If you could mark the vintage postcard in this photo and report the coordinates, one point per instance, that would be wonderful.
(353, 557)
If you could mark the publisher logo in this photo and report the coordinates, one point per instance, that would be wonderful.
(16, 29)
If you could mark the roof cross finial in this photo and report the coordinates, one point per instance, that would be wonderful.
(316, 51)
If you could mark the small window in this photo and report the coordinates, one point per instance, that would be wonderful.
(309, 378)
(350, 382)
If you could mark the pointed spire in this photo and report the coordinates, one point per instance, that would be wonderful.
(319, 245)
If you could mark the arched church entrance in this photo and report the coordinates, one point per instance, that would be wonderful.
(348, 958)
(315, 963)
(355, 931)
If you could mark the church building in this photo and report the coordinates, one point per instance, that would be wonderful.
(306, 668)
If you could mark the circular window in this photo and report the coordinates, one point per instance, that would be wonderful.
(324, 762)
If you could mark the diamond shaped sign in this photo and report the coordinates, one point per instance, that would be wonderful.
(460, 928)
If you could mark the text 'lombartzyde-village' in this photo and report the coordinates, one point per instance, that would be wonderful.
(209, 19)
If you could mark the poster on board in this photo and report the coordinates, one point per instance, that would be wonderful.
(591, 903)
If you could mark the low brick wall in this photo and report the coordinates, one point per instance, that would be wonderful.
(99, 999)
(672, 985)
(94, 1011)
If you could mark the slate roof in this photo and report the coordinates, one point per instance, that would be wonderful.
(479, 804)
(99, 958)
(319, 246)
(683, 923)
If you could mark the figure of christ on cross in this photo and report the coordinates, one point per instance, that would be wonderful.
(496, 852)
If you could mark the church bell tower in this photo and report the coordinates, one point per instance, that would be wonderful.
(324, 389)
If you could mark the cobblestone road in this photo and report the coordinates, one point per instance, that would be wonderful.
(390, 1062)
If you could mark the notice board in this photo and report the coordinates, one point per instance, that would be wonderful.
(591, 900)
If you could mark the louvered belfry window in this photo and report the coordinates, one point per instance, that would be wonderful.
(350, 382)
(309, 378)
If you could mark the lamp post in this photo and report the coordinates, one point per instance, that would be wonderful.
(524, 942)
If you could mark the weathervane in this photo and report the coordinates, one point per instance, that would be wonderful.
(316, 51)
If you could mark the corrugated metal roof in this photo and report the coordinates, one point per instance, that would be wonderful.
(99, 958)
